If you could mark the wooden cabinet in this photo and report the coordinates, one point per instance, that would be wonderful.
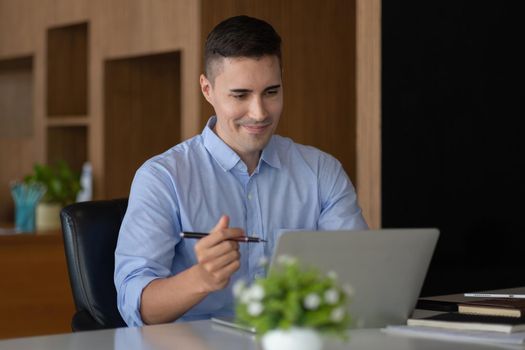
(35, 297)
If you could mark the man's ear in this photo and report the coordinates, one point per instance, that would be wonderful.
(206, 88)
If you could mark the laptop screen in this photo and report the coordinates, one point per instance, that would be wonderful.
(386, 268)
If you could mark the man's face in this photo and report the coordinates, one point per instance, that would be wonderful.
(248, 101)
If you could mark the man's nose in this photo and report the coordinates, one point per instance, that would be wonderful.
(257, 109)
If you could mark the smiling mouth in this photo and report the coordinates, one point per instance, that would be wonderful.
(256, 129)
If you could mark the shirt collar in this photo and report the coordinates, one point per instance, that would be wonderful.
(219, 150)
(270, 155)
(226, 157)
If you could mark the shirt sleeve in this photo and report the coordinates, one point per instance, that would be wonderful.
(339, 207)
(147, 238)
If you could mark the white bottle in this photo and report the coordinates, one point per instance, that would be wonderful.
(86, 181)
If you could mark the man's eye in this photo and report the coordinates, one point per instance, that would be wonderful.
(239, 96)
(272, 92)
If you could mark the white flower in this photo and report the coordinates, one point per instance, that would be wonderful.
(337, 314)
(245, 296)
(255, 308)
(238, 287)
(332, 274)
(312, 301)
(285, 259)
(348, 289)
(331, 296)
(256, 292)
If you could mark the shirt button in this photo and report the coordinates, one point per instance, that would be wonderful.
(250, 196)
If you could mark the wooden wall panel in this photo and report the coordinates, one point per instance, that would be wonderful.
(319, 68)
(17, 43)
(68, 12)
(123, 28)
(13, 169)
(368, 47)
(17, 25)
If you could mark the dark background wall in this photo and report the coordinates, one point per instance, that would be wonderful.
(453, 141)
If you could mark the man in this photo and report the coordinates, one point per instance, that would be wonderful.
(234, 179)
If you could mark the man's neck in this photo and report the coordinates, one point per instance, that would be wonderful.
(251, 161)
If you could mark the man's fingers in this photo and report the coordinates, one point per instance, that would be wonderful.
(222, 277)
(223, 234)
(218, 253)
(228, 270)
(220, 262)
(223, 222)
(217, 250)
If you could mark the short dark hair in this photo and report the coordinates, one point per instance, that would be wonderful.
(240, 36)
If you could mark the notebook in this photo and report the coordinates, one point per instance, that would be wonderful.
(510, 307)
(470, 322)
(386, 268)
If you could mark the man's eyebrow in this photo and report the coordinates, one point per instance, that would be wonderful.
(272, 87)
(240, 90)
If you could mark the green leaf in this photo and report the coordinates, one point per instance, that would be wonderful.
(61, 182)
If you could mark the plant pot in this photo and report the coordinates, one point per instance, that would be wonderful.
(48, 216)
(292, 339)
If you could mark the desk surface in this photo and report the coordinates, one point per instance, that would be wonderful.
(205, 335)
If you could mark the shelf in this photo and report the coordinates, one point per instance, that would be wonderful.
(68, 143)
(142, 114)
(16, 97)
(59, 121)
(67, 70)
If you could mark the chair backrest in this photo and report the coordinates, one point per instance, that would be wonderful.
(90, 232)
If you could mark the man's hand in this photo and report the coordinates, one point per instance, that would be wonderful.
(218, 256)
(166, 299)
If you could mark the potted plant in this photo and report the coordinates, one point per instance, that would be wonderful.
(62, 186)
(292, 307)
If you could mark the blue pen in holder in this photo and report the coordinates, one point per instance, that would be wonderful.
(26, 198)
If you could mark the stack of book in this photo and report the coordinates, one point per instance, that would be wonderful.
(497, 320)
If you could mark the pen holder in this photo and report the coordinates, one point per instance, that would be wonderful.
(26, 198)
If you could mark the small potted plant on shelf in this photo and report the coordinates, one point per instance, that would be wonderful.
(293, 307)
(62, 186)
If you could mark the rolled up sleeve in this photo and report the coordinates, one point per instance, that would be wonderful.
(147, 239)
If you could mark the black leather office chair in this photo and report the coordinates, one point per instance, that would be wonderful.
(90, 232)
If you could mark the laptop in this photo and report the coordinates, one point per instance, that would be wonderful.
(385, 268)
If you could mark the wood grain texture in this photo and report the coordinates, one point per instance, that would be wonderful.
(16, 97)
(69, 144)
(13, 169)
(319, 69)
(16, 127)
(142, 115)
(369, 109)
(22, 16)
(126, 29)
(67, 70)
(35, 296)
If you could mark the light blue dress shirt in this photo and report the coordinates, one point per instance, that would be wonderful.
(190, 186)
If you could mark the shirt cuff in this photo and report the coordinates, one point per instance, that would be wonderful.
(130, 306)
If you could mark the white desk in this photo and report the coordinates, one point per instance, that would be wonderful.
(205, 335)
